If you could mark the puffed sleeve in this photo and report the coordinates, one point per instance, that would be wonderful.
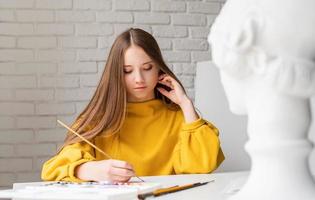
(198, 148)
(62, 166)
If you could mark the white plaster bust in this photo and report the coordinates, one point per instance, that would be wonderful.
(265, 50)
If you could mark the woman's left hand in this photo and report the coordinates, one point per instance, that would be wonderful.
(176, 93)
(178, 96)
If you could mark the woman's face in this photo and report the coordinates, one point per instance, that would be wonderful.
(141, 75)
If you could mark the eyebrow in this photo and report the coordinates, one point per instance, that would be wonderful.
(142, 63)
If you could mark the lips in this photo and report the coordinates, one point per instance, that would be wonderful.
(140, 88)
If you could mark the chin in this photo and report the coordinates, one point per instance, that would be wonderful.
(238, 110)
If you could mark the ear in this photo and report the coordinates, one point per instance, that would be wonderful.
(243, 37)
(234, 42)
(245, 55)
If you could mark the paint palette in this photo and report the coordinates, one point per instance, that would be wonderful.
(141, 187)
(85, 190)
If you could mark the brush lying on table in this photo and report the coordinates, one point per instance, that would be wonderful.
(172, 189)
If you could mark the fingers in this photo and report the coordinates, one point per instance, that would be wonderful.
(163, 91)
(119, 179)
(167, 80)
(121, 164)
(120, 171)
(165, 77)
(167, 83)
(177, 92)
(120, 175)
(162, 76)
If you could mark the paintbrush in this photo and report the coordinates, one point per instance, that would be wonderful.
(90, 143)
(172, 189)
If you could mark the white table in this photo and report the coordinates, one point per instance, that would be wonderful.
(225, 185)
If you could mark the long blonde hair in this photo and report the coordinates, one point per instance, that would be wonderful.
(106, 111)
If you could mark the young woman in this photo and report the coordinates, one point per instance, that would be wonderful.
(141, 116)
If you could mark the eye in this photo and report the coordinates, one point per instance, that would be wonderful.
(147, 68)
(127, 71)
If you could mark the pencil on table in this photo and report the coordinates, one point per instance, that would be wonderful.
(90, 143)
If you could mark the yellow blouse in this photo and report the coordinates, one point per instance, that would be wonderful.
(154, 139)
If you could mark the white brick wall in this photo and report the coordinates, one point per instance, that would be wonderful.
(52, 53)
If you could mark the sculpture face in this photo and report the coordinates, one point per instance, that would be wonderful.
(256, 39)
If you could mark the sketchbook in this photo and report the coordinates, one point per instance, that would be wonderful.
(73, 191)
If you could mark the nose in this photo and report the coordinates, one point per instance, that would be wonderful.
(139, 77)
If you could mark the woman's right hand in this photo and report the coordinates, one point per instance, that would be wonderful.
(105, 170)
